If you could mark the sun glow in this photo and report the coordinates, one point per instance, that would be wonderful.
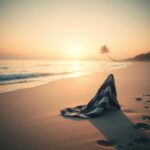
(76, 68)
(75, 51)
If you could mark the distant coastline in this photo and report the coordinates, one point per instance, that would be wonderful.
(140, 57)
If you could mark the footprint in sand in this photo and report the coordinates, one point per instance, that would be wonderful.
(146, 107)
(146, 94)
(147, 101)
(142, 125)
(104, 143)
(138, 98)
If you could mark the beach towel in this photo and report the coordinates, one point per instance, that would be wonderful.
(104, 100)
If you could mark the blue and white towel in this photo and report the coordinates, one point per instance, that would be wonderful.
(105, 99)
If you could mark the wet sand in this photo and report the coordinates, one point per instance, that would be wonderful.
(31, 120)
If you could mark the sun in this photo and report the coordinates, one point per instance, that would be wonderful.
(75, 51)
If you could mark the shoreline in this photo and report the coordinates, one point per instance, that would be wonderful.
(31, 117)
(66, 78)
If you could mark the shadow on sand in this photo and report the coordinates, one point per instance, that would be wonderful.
(120, 131)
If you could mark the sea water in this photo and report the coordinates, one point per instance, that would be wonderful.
(20, 74)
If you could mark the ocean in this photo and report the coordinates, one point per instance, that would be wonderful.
(20, 74)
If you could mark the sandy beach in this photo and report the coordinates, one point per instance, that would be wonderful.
(31, 120)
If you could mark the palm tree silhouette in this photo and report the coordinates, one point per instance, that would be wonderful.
(104, 50)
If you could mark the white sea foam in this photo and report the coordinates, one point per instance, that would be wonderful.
(20, 74)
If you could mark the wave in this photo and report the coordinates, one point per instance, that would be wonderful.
(3, 67)
(15, 82)
(6, 77)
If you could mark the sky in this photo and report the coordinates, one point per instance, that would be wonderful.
(73, 29)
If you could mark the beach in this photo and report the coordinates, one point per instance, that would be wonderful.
(31, 120)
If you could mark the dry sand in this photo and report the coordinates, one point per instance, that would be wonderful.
(31, 120)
